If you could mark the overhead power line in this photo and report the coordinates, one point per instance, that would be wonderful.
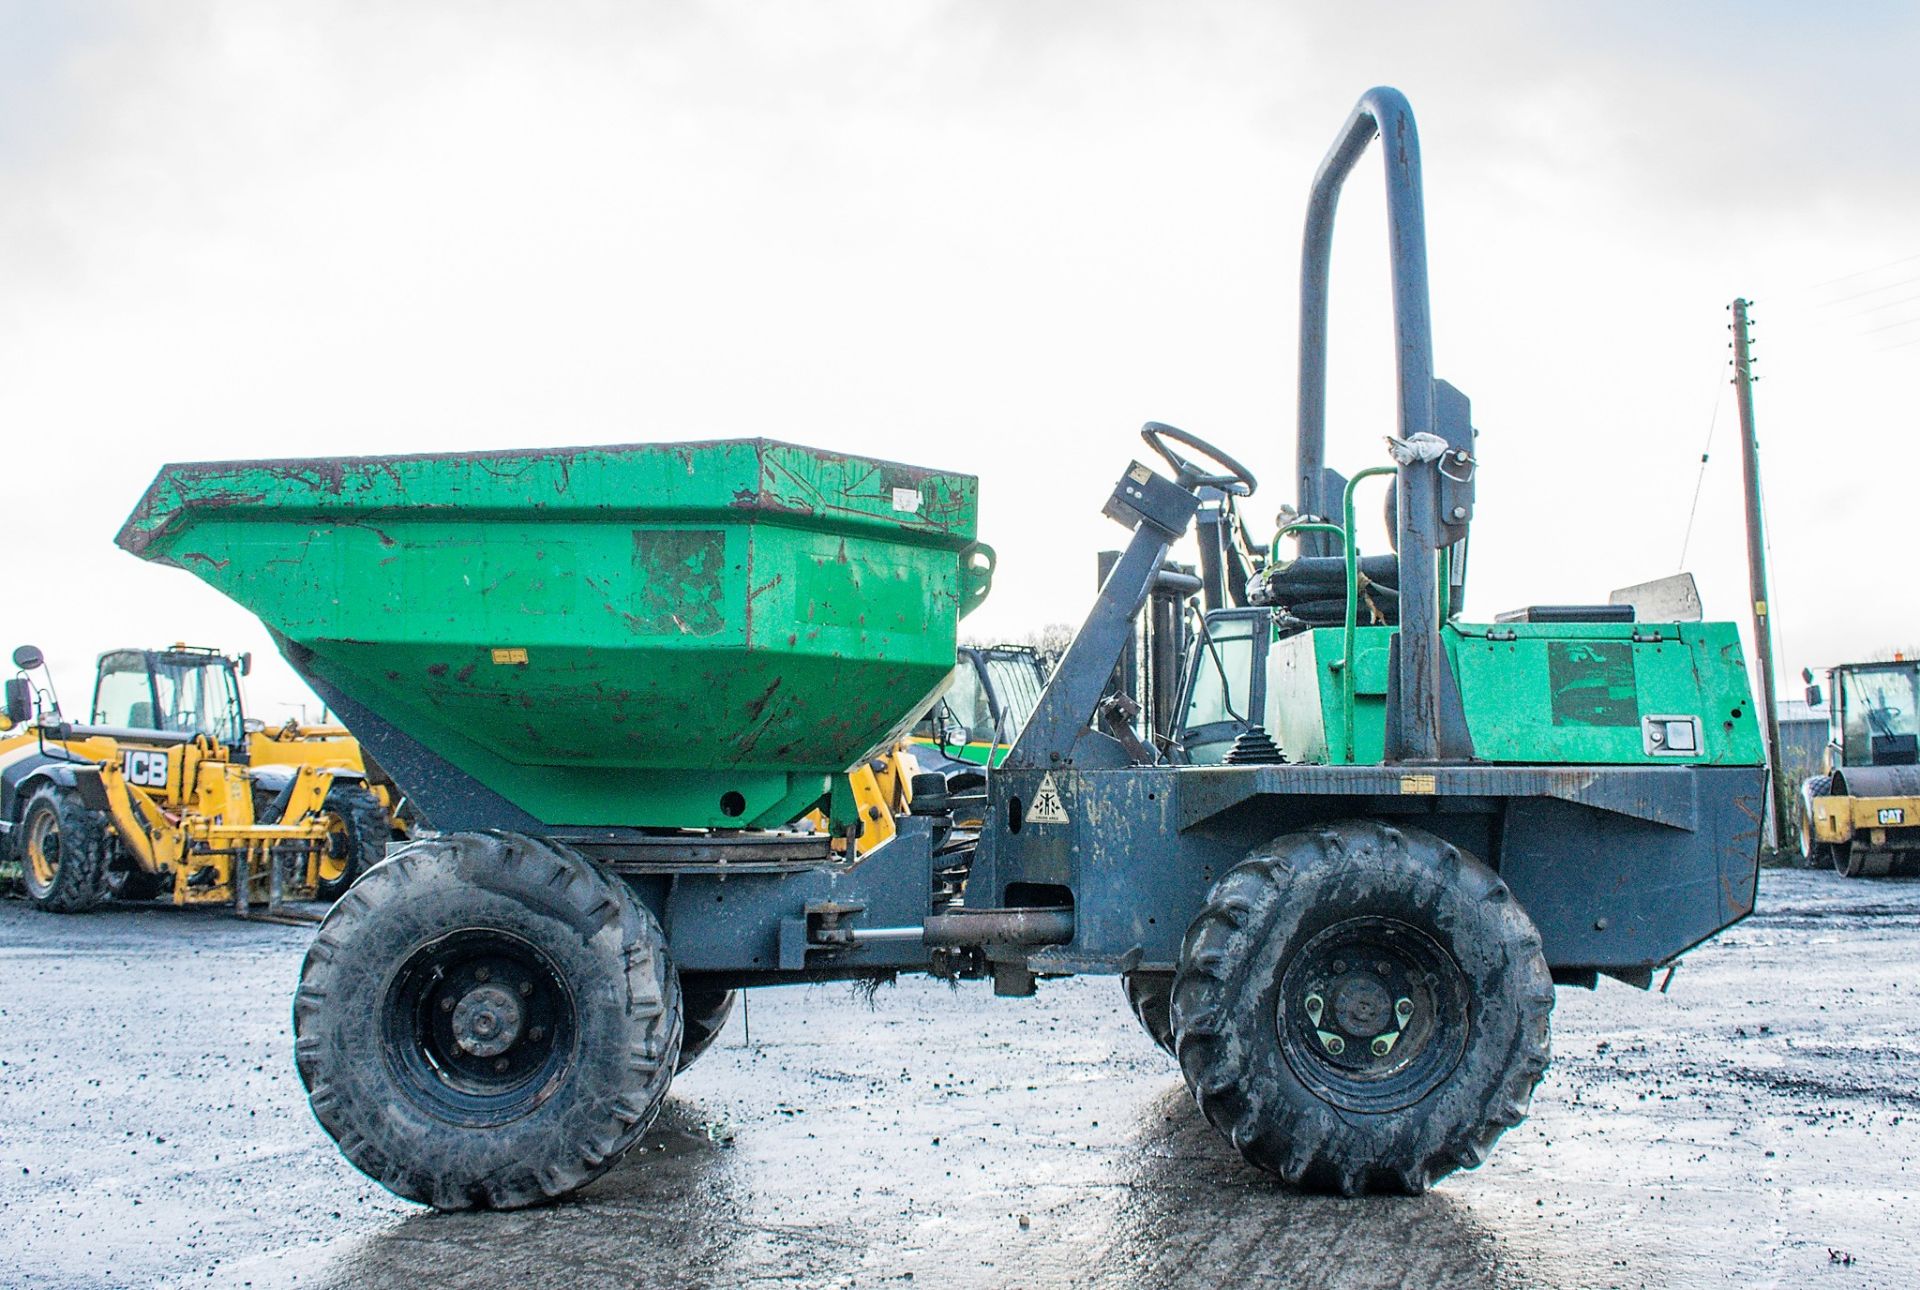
(1870, 291)
(1904, 322)
(1860, 273)
(1706, 450)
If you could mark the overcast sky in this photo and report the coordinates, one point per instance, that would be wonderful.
(984, 236)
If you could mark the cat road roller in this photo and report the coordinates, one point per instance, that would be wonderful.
(1861, 813)
(613, 675)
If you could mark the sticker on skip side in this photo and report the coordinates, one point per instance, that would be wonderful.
(1046, 807)
(906, 499)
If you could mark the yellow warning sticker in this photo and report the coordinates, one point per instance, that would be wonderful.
(1417, 784)
(515, 655)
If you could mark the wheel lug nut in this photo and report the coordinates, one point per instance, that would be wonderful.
(1380, 1046)
(483, 974)
(538, 1032)
(500, 1064)
(526, 988)
(446, 1005)
(1339, 966)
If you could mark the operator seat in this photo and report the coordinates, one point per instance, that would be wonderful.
(1311, 591)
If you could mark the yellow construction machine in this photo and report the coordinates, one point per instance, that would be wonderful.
(168, 789)
(1861, 813)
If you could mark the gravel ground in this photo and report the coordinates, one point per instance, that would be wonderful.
(1757, 1125)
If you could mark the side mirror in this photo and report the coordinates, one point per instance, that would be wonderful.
(19, 700)
(1806, 674)
(26, 658)
(246, 664)
(1815, 696)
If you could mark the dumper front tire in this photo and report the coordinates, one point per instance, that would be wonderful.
(486, 1020)
(1362, 1008)
(62, 848)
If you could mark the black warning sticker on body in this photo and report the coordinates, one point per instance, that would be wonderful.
(1592, 683)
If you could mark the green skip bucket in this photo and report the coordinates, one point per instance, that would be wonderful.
(693, 635)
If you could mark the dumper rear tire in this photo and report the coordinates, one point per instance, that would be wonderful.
(486, 1020)
(1362, 1008)
(1150, 995)
(706, 1013)
(62, 848)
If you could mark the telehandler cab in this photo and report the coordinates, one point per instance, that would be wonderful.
(169, 790)
(973, 724)
(613, 676)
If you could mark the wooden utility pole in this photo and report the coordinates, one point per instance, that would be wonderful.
(1757, 568)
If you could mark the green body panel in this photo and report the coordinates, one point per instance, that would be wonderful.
(1534, 693)
(604, 636)
(980, 754)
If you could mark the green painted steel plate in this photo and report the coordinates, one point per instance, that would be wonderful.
(1536, 694)
(665, 635)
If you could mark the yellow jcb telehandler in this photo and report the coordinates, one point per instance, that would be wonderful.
(169, 790)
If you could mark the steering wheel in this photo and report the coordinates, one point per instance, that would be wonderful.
(1234, 478)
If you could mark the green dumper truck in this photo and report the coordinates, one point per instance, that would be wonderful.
(612, 677)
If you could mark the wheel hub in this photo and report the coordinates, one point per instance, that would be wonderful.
(1361, 1006)
(487, 1021)
(478, 1025)
(1372, 1014)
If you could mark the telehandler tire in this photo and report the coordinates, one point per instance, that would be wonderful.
(357, 834)
(127, 881)
(1150, 995)
(1362, 1008)
(487, 1020)
(62, 848)
(706, 1013)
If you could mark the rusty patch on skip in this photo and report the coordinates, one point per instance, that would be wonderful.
(759, 705)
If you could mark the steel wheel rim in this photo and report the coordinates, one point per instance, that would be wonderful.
(478, 1027)
(42, 867)
(331, 863)
(1372, 1014)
